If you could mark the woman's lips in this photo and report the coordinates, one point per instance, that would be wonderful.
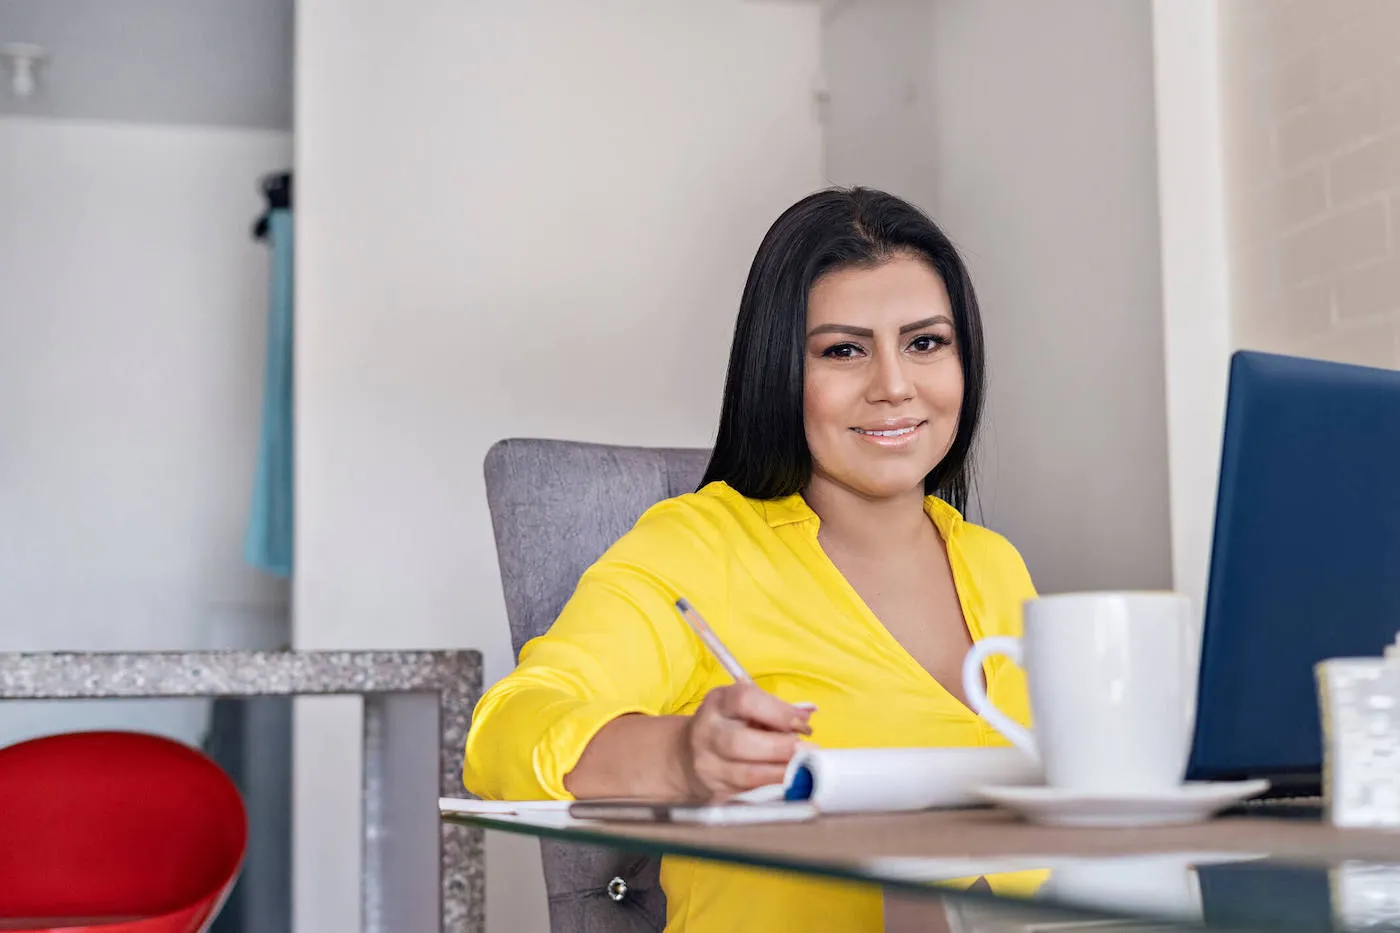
(892, 434)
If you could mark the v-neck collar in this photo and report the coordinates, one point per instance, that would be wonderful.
(794, 510)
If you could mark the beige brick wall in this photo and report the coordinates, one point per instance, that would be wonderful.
(1311, 127)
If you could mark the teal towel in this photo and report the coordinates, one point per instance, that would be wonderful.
(267, 544)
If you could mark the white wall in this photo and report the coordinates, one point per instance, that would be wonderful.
(1195, 269)
(535, 219)
(1311, 103)
(132, 320)
(879, 123)
(1277, 127)
(1027, 132)
(1046, 177)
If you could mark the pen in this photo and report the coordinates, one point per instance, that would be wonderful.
(721, 653)
(711, 640)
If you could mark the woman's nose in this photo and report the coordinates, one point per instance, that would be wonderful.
(890, 381)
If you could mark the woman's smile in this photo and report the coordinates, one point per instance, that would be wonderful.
(892, 435)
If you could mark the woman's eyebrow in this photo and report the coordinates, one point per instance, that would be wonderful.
(854, 331)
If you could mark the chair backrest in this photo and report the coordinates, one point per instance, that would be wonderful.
(130, 832)
(556, 506)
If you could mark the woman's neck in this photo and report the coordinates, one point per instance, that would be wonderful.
(862, 522)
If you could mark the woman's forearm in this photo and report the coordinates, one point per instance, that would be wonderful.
(637, 756)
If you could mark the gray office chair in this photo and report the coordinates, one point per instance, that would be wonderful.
(555, 507)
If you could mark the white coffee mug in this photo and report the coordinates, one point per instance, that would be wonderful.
(1112, 688)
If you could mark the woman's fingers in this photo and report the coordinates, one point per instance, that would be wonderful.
(725, 777)
(761, 708)
(749, 776)
(742, 737)
(737, 741)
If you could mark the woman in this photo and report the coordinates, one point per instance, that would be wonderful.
(825, 547)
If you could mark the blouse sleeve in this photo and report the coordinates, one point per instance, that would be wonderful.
(619, 646)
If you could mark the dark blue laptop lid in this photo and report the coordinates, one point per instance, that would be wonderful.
(1305, 561)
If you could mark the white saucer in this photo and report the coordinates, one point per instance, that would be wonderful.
(1192, 802)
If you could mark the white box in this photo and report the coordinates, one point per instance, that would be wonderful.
(1360, 712)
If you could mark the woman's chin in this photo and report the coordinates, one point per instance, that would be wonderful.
(888, 484)
(877, 477)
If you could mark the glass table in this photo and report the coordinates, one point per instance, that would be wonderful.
(1267, 866)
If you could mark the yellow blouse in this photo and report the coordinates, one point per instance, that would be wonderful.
(755, 571)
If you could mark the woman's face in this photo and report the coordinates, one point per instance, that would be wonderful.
(883, 384)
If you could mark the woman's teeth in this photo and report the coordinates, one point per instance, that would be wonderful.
(897, 432)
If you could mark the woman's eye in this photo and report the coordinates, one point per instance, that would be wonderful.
(927, 343)
(842, 351)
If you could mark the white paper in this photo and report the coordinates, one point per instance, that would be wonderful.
(847, 780)
(870, 780)
(499, 807)
(547, 813)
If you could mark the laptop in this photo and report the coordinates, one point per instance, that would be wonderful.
(1305, 560)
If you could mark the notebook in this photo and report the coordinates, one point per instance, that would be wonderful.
(821, 780)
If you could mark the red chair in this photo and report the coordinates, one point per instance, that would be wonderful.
(115, 832)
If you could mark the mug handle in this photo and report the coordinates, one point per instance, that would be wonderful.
(977, 699)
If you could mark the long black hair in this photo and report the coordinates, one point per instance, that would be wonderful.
(761, 448)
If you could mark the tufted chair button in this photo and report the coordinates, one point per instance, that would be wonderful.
(617, 890)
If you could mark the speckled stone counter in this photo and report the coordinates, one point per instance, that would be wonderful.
(453, 676)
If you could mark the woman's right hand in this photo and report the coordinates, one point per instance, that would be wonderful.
(740, 738)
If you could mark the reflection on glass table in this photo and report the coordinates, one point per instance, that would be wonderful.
(1272, 868)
